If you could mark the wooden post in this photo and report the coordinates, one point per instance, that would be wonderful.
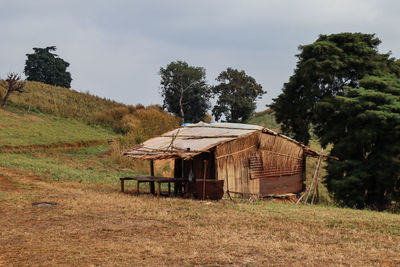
(152, 189)
(122, 185)
(159, 189)
(175, 189)
(204, 179)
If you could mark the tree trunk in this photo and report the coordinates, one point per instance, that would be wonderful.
(182, 113)
(4, 105)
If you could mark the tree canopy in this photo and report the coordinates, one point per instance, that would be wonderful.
(185, 91)
(237, 93)
(364, 127)
(323, 70)
(45, 66)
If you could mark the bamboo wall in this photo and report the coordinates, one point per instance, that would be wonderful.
(232, 164)
(283, 166)
(260, 164)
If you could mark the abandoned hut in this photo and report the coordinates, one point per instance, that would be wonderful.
(249, 159)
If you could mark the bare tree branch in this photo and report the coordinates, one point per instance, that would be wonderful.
(12, 84)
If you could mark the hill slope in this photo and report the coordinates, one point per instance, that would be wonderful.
(266, 119)
(18, 128)
(60, 101)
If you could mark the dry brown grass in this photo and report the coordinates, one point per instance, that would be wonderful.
(93, 225)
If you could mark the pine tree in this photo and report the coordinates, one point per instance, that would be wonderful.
(323, 70)
(364, 127)
(45, 66)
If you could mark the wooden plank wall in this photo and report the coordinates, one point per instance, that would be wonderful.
(281, 185)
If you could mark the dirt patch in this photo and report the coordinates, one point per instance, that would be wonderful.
(24, 117)
(10, 124)
(32, 117)
(61, 146)
(6, 184)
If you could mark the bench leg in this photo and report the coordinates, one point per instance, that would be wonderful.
(152, 189)
(159, 189)
(122, 186)
(137, 187)
(176, 189)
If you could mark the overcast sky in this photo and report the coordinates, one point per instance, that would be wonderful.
(116, 48)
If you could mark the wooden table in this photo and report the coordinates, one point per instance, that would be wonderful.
(152, 180)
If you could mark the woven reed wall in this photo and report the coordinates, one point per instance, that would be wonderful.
(280, 156)
(283, 166)
(232, 163)
(260, 159)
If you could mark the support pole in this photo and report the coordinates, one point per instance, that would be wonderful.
(204, 179)
(122, 185)
(313, 187)
(159, 189)
(152, 188)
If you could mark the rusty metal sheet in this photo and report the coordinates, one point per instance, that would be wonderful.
(190, 140)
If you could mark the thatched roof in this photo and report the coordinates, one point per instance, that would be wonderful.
(193, 139)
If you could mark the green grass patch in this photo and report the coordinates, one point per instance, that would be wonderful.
(82, 165)
(18, 128)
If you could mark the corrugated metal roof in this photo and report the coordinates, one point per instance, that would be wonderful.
(194, 138)
(190, 139)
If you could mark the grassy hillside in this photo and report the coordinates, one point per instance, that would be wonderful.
(137, 122)
(61, 102)
(18, 128)
(266, 119)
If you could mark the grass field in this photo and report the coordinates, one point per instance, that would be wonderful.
(93, 224)
(19, 128)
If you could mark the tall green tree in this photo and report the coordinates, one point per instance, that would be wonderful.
(185, 91)
(364, 127)
(45, 66)
(237, 93)
(324, 69)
